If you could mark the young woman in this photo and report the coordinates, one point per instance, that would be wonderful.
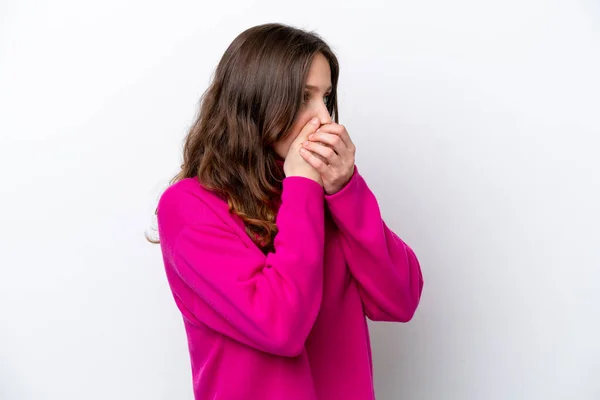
(274, 246)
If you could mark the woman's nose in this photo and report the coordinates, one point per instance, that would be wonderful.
(323, 114)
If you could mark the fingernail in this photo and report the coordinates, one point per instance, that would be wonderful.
(311, 136)
(315, 121)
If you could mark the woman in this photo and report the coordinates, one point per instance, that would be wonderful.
(274, 246)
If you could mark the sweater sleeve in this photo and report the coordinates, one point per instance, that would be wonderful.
(267, 302)
(388, 273)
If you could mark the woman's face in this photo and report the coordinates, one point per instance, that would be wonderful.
(317, 89)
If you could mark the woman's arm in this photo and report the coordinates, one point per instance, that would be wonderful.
(386, 268)
(267, 302)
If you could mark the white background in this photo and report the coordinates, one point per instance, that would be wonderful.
(477, 126)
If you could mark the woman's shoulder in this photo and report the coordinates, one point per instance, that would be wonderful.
(187, 202)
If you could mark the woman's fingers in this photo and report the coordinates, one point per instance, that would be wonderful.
(330, 139)
(327, 153)
(340, 131)
(314, 160)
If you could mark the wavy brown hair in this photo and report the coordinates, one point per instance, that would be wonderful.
(253, 100)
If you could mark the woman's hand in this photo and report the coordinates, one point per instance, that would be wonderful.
(331, 152)
(294, 164)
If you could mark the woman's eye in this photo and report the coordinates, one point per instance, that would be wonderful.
(307, 98)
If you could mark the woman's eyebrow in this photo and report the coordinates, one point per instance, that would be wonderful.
(311, 87)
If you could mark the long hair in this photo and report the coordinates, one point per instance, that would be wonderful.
(253, 99)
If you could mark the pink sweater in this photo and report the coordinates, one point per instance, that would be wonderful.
(289, 325)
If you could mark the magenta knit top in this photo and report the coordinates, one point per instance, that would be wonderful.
(290, 325)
